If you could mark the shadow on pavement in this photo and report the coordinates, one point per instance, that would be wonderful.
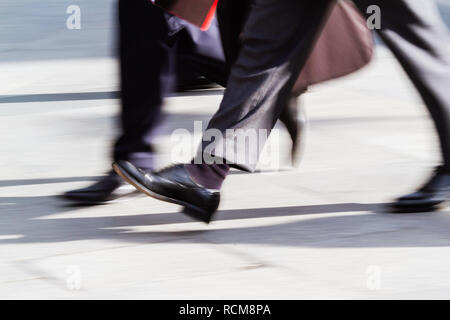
(80, 96)
(354, 225)
(27, 182)
(48, 97)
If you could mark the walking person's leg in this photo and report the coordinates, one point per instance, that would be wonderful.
(278, 37)
(146, 76)
(273, 53)
(416, 35)
(202, 52)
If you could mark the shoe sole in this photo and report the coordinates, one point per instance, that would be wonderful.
(189, 209)
(406, 210)
(82, 201)
(415, 207)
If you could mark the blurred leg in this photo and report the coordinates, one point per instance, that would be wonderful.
(146, 64)
(413, 30)
(201, 53)
(416, 35)
(147, 68)
(261, 81)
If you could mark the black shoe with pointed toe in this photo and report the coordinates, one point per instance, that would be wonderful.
(110, 187)
(174, 185)
(428, 198)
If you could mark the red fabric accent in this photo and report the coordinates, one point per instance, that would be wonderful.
(209, 17)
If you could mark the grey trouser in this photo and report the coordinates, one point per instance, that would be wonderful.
(278, 37)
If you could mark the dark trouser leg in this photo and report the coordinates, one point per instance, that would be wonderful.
(147, 69)
(273, 53)
(415, 33)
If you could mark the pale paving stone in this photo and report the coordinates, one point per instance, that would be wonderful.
(312, 232)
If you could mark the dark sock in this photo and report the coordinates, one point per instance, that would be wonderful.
(210, 176)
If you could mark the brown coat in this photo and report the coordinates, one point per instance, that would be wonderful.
(344, 46)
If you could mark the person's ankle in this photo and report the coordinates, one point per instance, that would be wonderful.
(210, 176)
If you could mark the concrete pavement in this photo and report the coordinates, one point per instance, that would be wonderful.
(319, 231)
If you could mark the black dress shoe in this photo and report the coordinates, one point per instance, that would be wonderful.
(109, 188)
(174, 185)
(428, 198)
